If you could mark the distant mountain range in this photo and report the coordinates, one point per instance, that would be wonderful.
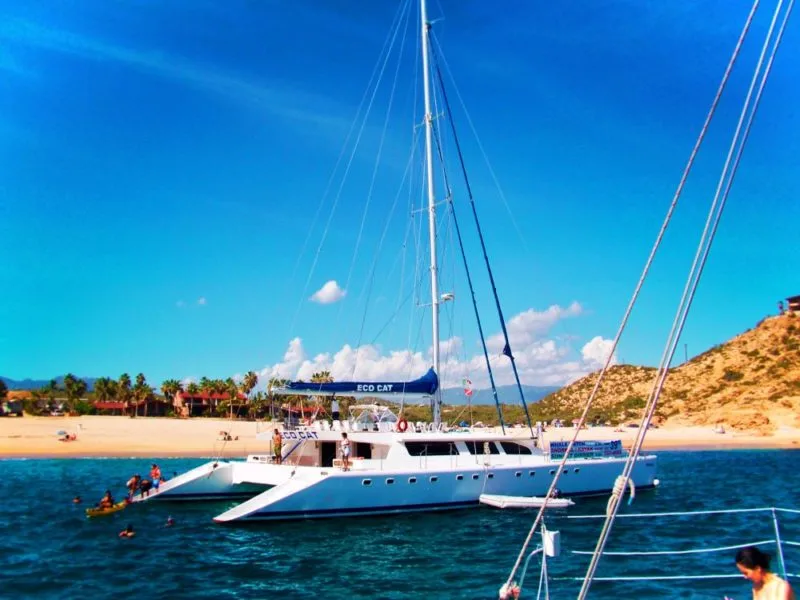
(35, 384)
(508, 394)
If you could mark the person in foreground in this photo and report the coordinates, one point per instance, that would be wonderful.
(754, 565)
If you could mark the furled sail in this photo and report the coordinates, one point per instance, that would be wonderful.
(423, 387)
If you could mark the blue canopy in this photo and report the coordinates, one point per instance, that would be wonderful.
(424, 386)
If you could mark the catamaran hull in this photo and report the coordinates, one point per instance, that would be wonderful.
(328, 494)
(216, 480)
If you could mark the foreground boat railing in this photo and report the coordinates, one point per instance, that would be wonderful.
(778, 542)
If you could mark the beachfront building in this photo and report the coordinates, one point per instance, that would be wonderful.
(205, 403)
(793, 304)
(152, 407)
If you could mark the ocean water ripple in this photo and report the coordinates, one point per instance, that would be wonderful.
(51, 550)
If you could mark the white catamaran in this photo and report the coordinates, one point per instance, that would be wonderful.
(394, 467)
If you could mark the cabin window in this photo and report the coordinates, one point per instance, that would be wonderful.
(389, 481)
(478, 447)
(518, 474)
(434, 479)
(366, 482)
(566, 471)
(431, 448)
(459, 477)
(475, 476)
(515, 448)
(531, 473)
(412, 480)
(577, 471)
(552, 471)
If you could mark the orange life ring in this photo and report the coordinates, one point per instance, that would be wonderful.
(402, 425)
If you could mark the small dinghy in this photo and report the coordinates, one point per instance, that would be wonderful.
(499, 501)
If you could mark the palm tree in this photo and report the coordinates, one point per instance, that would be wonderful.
(124, 389)
(273, 383)
(75, 388)
(170, 389)
(249, 382)
(102, 389)
(233, 393)
(142, 392)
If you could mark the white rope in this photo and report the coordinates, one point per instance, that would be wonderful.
(643, 276)
(683, 513)
(661, 577)
(673, 552)
(788, 543)
(695, 273)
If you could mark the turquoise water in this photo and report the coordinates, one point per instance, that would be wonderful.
(50, 549)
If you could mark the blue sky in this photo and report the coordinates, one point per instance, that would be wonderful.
(161, 166)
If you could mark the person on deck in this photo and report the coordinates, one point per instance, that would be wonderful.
(155, 475)
(754, 565)
(345, 445)
(107, 500)
(144, 486)
(277, 445)
(335, 409)
(133, 485)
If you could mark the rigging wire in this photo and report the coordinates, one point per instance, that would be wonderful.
(393, 37)
(645, 272)
(715, 214)
(507, 348)
(379, 152)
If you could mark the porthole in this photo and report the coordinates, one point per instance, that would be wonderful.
(389, 481)
(577, 470)
(434, 479)
(366, 482)
(412, 480)
(490, 475)
(552, 471)
(518, 474)
(475, 476)
(531, 473)
(459, 477)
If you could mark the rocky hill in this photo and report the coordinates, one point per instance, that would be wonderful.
(750, 383)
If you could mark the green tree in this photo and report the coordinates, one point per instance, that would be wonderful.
(75, 389)
(124, 390)
(170, 389)
(142, 393)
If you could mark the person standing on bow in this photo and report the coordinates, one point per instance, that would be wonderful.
(345, 445)
(277, 445)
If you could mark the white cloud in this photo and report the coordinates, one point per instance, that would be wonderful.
(540, 360)
(328, 293)
(201, 301)
(596, 351)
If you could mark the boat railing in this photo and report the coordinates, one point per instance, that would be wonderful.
(774, 539)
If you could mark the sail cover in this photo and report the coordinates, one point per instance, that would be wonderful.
(424, 386)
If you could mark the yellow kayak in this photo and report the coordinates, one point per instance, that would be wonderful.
(98, 512)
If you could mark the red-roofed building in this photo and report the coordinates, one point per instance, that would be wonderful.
(201, 403)
(153, 407)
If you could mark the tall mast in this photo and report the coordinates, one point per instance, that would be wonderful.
(436, 402)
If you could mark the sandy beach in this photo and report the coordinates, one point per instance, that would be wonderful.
(33, 437)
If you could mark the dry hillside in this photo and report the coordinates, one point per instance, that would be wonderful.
(751, 382)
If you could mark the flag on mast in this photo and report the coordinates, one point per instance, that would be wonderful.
(467, 387)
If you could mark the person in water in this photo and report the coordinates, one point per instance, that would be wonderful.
(345, 445)
(128, 532)
(277, 444)
(107, 501)
(754, 565)
(170, 522)
(76, 500)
